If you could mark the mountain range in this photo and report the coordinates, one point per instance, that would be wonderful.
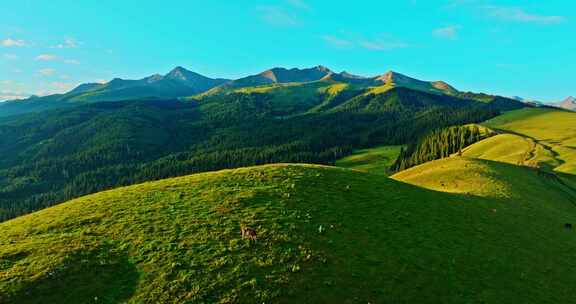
(182, 83)
(568, 104)
(483, 187)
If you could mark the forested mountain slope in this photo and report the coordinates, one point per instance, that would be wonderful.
(54, 156)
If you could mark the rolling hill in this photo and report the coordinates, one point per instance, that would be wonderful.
(552, 131)
(377, 160)
(325, 235)
(472, 228)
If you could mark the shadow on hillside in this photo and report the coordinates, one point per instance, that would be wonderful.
(103, 275)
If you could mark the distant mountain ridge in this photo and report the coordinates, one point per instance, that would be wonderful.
(568, 103)
(183, 83)
(396, 79)
(178, 82)
(275, 76)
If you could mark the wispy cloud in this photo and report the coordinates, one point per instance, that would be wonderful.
(10, 42)
(10, 56)
(46, 72)
(10, 89)
(518, 14)
(448, 32)
(382, 42)
(506, 13)
(337, 42)
(287, 13)
(45, 57)
(68, 43)
(8, 95)
(71, 61)
(278, 16)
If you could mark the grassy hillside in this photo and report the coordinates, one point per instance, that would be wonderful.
(552, 129)
(58, 155)
(513, 149)
(375, 160)
(325, 235)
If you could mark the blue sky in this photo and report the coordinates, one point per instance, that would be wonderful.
(525, 48)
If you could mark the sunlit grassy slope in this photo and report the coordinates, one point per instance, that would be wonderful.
(554, 130)
(294, 97)
(325, 235)
(513, 149)
(376, 160)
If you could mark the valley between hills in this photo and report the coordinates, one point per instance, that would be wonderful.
(382, 189)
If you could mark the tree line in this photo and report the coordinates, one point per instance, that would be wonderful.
(437, 144)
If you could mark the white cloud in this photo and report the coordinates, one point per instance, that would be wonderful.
(506, 13)
(337, 42)
(10, 56)
(71, 61)
(278, 16)
(7, 95)
(68, 43)
(9, 42)
(46, 72)
(383, 42)
(517, 14)
(45, 57)
(10, 89)
(449, 32)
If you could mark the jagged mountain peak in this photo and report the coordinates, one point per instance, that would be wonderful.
(283, 75)
(569, 103)
(392, 76)
(397, 79)
(182, 74)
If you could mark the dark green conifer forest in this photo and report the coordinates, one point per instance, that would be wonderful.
(438, 144)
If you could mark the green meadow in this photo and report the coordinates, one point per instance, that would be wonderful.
(485, 227)
(375, 160)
